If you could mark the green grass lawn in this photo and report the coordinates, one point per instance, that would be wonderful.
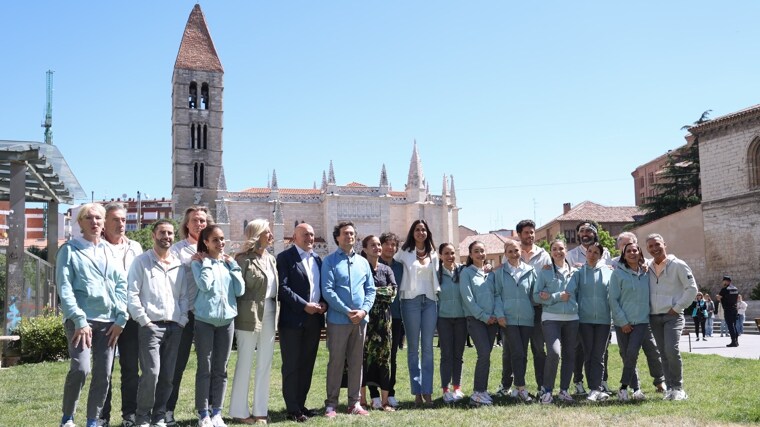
(722, 391)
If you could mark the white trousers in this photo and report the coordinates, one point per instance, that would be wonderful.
(262, 344)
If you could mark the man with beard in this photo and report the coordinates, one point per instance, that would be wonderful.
(586, 232)
(672, 288)
(158, 301)
(123, 251)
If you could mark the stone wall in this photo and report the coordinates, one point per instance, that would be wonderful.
(684, 238)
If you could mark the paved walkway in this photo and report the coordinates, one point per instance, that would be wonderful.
(749, 346)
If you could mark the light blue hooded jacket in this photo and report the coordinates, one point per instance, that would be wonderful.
(478, 295)
(514, 297)
(219, 284)
(629, 296)
(554, 282)
(86, 292)
(592, 287)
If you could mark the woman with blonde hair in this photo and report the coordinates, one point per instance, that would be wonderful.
(255, 324)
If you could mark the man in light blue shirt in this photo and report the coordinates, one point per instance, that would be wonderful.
(349, 290)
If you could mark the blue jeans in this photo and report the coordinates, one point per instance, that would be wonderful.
(739, 324)
(420, 315)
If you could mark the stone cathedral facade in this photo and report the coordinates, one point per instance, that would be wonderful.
(198, 171)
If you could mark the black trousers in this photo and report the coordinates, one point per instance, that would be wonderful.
(298, 347)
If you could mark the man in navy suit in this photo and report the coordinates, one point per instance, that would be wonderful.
(302, 311)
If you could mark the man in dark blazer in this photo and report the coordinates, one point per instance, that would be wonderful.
(301, 321)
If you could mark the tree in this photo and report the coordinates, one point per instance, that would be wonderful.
(678, 186)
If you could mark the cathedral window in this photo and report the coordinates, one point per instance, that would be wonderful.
(192, 136)
(753, 164)
(205, 135)
(192, 98)
(204, 96)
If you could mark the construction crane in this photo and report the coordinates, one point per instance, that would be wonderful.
(48, 123)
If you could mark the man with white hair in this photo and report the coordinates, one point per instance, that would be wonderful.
(672, 288)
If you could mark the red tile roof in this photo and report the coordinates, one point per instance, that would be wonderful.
(600, 213)
(397, 194)
(197, 51)
(355, 184)
(295, 191)
(493, 242)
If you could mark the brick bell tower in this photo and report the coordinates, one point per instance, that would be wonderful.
(197, 89)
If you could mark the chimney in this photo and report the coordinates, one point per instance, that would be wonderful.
(565, 208)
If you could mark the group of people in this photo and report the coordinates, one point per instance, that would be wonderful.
(154, 305)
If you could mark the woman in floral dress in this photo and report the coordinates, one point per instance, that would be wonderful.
(377, 345)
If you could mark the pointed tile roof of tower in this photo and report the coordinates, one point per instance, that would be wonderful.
(278, 218)
(445, 189)
(331, 174)
(452, 191)
(416, 178)
(197, 51)
(274, 180)
(383, 177)
(221, 185)
(324, 180)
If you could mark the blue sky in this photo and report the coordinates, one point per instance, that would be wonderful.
(529, 105)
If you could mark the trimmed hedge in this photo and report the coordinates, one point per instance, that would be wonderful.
(42, 339)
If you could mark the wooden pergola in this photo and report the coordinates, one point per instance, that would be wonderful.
(31, 172)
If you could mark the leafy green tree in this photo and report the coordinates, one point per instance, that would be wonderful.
(678, 186)
(144, 236)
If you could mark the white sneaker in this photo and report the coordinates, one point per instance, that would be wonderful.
(503, 392)
(217, 421)
(169, 419)
(480, 398)
(448, 397)
(524, 396)
(377, 403)
(69, 423)
(623, 395)
(129, 421)
(606, 388)
(597, 396)
(546, 398)
(638, 395)
(679, 395)
(579, 390)
(668, 395)
(102, 422)
(565, 396)
(458, 395)
(205, 422)
(144, 425)
(392, 401)
(159, 423)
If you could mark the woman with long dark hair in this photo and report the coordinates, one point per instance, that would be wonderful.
(559, 320)
(629, 305)
(452, 324)
(219, 282)
(479, 301)
(418, 293)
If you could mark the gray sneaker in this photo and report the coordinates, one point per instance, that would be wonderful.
(579, 390)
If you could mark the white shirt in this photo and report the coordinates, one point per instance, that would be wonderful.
(312, 270)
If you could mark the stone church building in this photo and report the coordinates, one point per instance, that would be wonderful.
(198, 170)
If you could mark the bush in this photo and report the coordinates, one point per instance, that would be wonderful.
(755, 295)
(42, 339)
